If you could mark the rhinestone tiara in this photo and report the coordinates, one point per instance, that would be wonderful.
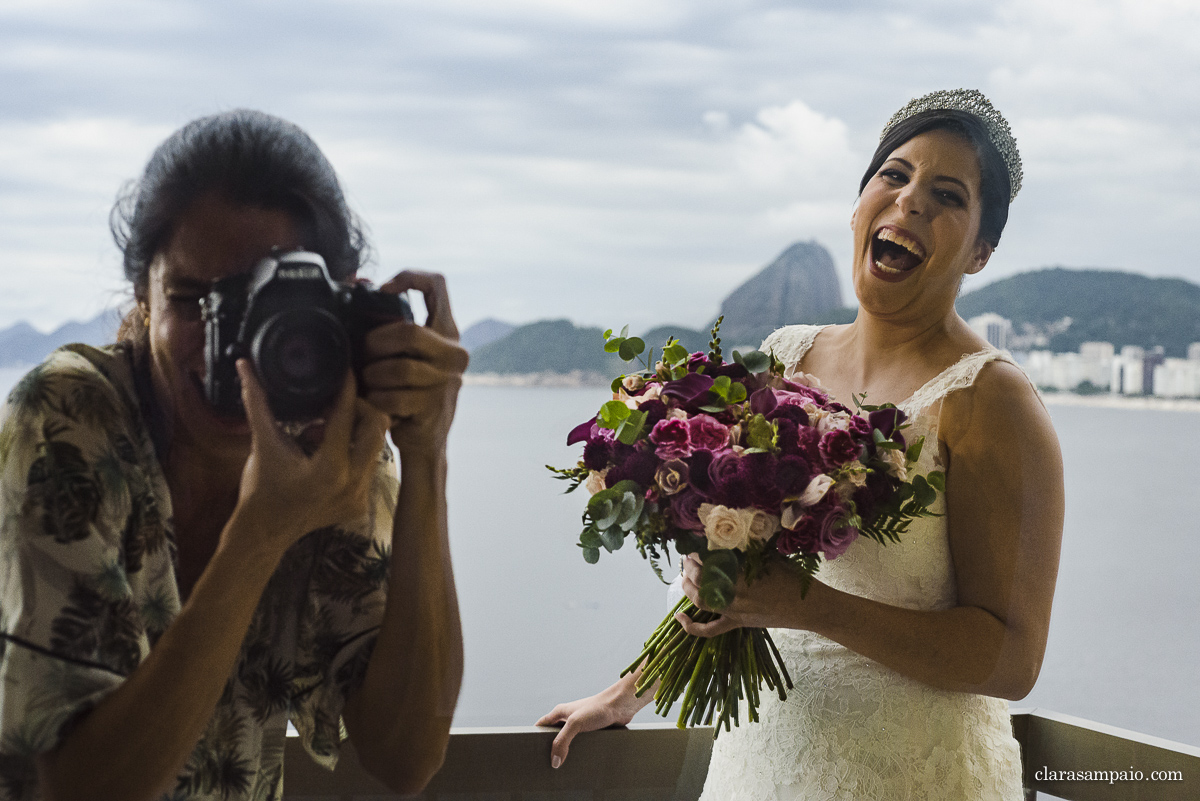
(973, 102)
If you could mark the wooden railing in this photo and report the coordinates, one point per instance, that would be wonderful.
(660, 762)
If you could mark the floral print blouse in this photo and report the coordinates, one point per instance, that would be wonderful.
(87, 586)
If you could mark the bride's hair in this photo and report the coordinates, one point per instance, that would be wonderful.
(993, 172)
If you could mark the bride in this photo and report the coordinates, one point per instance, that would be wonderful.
(902, 655)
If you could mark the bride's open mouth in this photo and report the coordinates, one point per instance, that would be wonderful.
(895, 253)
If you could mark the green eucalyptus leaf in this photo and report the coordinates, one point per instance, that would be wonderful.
(631, 427)
(737, 393)
(715, 407)
(613, 538)
(675, 353)
(878, 436)
(914, 451)
(937, 480)
(616, 384)
(589, 538)
(923, 494)
(612, 413)
(614, 345)
(610, 511)
(756, 361)
(687, 542)
(737, 357)
(625, 332)
(608, 333)
(591, 555)
(721, 386)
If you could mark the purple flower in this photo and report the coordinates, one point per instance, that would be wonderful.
(860, 427)
(597, 454)
(838, 447)
(690, 390)
(706, 433)
(763, 401)
(638, 466)
(792, 474)
(820, 530)
(809, 440)
(672, 439)
(672, 476)
(886, 420)
(685, 510)
(581, 432)
(731, 480)
(696, 361)
(698, 464)
(789, 411)
(655, 410)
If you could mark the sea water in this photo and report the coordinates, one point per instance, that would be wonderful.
(541, 626)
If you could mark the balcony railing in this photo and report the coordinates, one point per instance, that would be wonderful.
(658, 762)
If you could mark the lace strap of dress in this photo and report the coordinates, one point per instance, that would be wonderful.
(791, 342)
(959, 375)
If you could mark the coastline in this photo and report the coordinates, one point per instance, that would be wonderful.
(581, 378)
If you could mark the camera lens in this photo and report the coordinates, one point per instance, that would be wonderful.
(302, 356)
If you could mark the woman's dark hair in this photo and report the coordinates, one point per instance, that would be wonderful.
(994, 186)
(247, 158)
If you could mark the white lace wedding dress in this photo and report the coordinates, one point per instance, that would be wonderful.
(852, 729)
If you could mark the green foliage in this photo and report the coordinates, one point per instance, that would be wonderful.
(718, 577)
(1104, 306)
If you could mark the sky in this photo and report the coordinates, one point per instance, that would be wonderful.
(609, 161)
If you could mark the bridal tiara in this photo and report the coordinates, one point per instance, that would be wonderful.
(973, 102)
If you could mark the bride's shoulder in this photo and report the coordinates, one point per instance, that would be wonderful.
(791, 342)
(1000, 404)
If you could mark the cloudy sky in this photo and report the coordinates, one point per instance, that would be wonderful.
(610, 161)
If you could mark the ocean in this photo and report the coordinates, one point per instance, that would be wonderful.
(541, 626)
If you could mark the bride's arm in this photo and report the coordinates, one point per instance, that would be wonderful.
(1004, 500)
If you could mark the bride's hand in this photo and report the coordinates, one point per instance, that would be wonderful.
(615, 706)
(771, 600)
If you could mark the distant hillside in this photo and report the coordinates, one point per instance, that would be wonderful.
(484, 332)
(22, 344)
(1104, 306)
(800, 285)
(555, 346)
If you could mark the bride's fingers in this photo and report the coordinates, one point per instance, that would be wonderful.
(710, 629)
(562, 743)
(555, 716)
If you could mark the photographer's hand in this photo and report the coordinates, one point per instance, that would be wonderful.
(413, 372)
(292, 493)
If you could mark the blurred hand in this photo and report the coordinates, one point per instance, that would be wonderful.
(615, 706)
(287, 493)
(413, 372)
(771, 600)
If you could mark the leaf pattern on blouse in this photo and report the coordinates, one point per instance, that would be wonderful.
(87, 587)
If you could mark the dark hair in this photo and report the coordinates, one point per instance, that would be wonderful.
(994, 186)
(248, 158)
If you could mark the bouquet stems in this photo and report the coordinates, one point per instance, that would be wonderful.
(711, 673)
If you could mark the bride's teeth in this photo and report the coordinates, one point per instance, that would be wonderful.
(884, 268)
(891, 236)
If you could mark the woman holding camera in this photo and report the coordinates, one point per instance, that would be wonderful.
(901, 655)
(178, 584)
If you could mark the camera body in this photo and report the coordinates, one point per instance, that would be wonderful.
(300, 329)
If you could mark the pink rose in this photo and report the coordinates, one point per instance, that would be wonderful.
(671, 437)
(838, 447)
(707, 434)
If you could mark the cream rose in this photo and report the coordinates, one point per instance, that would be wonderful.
(595, 481)
(895, 461)
(725, 527)
(762, 525)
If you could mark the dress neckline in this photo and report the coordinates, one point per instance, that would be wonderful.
(944, 377)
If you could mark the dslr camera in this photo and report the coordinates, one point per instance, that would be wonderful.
(300, 329)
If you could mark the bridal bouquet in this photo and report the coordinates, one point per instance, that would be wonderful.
(751, 468)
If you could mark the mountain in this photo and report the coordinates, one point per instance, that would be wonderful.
(1103, 306)
(484, 332)
(555, 346)
(22, 344)
(799, 286)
